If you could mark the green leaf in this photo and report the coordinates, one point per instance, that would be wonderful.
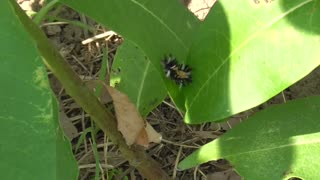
(158, 28)
(278, 142)
(104, 70)
(245, 53)
(32, 144)
(133, 74)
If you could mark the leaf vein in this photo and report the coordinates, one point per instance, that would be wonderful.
(161, 22)
(317, 141)
(246, 41)
(142, 84)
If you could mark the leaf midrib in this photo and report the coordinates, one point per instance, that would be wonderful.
(142, 84)
(161, 22)
(315, 141)
(246, 41)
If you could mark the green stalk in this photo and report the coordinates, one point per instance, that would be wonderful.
(76, 88)
(44, 11)
(75, 23)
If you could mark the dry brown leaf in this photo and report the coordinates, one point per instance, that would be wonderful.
(104, 95)
(69, 129)
(142, 138)
(130, 123)
(153, 135)
(147, 135)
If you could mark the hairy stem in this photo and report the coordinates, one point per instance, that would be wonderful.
(74, 86)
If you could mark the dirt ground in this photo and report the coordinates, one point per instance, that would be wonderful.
(179, 140)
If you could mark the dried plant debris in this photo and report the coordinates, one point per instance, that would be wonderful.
(133, 127)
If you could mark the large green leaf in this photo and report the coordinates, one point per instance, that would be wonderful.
(133, 74)
(278, 142)
(32, 145)
(245, 53)
(158, 28)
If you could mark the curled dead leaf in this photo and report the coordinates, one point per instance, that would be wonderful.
(134, 129)
(148, 135)
(153, 135)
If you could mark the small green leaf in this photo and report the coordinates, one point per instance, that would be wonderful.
(158, 28)
(245, 53)
(32, 144)
(133, 74)
(279, 142)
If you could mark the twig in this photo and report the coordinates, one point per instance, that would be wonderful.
(195, 173)
(284, 97)
(176, 163)
(99, 36)
(77, 89)
(86, 166)
(177, 144)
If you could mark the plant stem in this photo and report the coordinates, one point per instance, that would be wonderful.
(76, 88)
(44, 11)
(72, 22)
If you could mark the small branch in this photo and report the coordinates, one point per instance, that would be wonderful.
(74, 86)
